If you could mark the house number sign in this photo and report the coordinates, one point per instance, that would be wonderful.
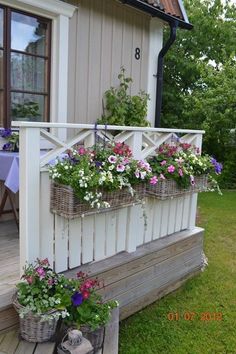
(137, 53)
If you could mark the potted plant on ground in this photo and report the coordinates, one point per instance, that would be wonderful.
(40, 301)
(87, 310)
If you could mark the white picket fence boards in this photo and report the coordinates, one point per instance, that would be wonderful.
(70, 243)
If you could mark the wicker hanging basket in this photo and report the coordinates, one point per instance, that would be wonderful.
(64, 202)
(33, 328)
(168, 188)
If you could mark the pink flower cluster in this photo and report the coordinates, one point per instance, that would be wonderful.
(143, 168)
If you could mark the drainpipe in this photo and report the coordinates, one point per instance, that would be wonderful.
(159, 87)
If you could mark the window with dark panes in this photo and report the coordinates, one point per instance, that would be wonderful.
(24, 67)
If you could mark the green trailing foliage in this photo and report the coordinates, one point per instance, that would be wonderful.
(122, 108)
(200, 81)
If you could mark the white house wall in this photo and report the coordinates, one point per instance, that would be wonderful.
(103, 36)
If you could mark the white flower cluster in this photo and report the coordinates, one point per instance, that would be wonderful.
(105, 177)
(95, 200)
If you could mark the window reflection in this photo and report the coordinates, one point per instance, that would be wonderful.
(27, 107)
(27, 73)
(28, 34)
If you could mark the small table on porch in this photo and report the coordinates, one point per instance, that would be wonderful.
(9, 173)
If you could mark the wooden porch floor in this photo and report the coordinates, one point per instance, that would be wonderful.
(9, 260)
(10, 343)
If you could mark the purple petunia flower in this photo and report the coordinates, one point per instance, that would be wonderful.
(217, 165)
(6, 133)
(77, 299)
(7, 146)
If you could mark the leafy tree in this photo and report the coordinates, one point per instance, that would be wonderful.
(200, 80)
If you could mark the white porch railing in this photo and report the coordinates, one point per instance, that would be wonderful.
(70, 243)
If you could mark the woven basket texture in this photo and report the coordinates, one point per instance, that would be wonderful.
(168, 188)
(64, 202)
(33, 328)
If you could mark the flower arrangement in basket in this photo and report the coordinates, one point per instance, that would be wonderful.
(180, 168)
(11, 138)
(39, 300)
(43, 297)
(96, 179)
(87, 310)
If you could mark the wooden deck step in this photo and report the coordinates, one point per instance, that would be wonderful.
(11, 343)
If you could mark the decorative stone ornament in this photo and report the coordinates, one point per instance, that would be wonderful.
(75, 344)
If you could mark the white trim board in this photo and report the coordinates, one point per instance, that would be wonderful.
(44, 7)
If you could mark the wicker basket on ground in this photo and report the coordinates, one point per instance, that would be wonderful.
(64, 202)
(168, 188)
(33, 328)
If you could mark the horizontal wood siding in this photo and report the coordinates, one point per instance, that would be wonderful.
(103, 36)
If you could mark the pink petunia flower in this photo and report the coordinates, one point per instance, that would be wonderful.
(162, 177)
(41, 272)
(171, 169)
(120, 168)
(29, 279)
(82, 151)
(163, 163)
(85, 294)
(153, 180)
(112, 159)
(181, 172)
(50, 282)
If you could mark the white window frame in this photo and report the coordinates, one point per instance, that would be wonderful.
(60, 13)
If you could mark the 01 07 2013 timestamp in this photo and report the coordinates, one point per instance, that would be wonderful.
(191, 316)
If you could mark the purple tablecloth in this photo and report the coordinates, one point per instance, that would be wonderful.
(9, 170)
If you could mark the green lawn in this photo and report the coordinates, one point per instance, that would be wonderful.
(213, 291)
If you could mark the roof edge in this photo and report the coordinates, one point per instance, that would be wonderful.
(155, 12)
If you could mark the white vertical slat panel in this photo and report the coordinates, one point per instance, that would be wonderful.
(110, 233)
(165, 217)
(157, 219)
(149, 209)
(102, 38)
(172, 216)
(46, 220)
(193, 211)
(87, 238)
(121, 225)
(145, 53)
(81, 69)
(186, 211)
(106, 44)
(71, 73)
(131, 240)
(127, 50)
(140, 224)
(94, 65)
(29, 195)
(136, 63)
(100, 236)
(117, 40)
(61, 244)
(179, 213)
(75, 242)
